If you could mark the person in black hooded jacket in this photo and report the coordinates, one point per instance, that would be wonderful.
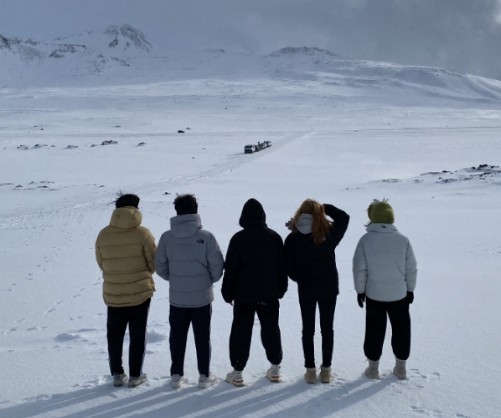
(255, 279)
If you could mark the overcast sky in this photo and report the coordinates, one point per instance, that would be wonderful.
(463, 35)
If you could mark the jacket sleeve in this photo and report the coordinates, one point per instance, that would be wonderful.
(215, 259)
(149, 249)
(410, 268)
(283, 280)
(359, 268)
(231, 268)
(99, 257)
(290, 262)
(161, 261)
(341, 220)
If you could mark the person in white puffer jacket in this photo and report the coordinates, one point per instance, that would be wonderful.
(384, 273)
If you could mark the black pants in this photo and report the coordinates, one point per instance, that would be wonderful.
(326, 309)
(375, 328)
(241, 332)
(136, 317)
(180, 320)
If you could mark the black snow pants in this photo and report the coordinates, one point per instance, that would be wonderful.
(241, 332)
(375, 328)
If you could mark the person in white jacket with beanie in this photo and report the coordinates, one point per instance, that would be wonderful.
(384, 273)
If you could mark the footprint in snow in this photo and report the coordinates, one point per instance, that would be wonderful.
(36, 328)
(432, 376)
(425, 411)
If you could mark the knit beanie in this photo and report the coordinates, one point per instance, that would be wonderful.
(380, 212)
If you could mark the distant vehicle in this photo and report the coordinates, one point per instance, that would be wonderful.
(264, 144)
(249, 149)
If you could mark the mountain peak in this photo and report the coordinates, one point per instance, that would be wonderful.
(125, 37)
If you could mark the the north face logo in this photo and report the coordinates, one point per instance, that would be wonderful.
(200, 241)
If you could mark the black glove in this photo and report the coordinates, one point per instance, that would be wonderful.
(410, 297)
(361, 299)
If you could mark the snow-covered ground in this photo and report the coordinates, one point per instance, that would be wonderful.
(343, 132)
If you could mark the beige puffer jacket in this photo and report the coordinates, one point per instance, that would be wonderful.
(125, 251)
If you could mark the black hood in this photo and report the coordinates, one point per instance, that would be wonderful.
(252, 214)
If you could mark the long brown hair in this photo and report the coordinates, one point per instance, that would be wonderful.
(320, 225)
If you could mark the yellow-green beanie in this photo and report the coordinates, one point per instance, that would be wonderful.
(380, 212)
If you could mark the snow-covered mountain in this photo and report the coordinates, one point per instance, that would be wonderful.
(458, 35)
(86, 53)
(123, 53)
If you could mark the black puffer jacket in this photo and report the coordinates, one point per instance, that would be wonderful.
(255, 262)
(313, 266)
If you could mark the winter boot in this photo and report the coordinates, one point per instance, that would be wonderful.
(311, 375)
(325, 374)
(399, 369)
(372, 372)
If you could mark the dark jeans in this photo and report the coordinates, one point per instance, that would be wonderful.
(375, 328)
(326, 308)
(180, 320)
(136, 317)
(241, 332)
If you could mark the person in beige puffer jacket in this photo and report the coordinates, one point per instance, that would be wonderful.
(125, 253)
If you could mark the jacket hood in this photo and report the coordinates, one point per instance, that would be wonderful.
(183, 226)
(126, 217)
(381, 227)
(252, 214)
(304, 223)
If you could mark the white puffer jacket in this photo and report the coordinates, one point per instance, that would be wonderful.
(384, 266)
